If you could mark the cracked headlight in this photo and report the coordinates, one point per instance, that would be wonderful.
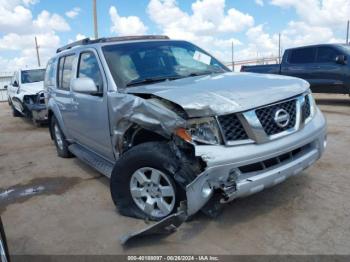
(203, 131)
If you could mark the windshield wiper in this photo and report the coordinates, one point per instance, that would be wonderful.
(152, 80)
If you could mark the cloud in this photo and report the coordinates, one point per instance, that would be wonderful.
(333, 13)
(46, 21)
(127, 25)
(73, 13)
(259, 2)
(19, 27)
(209, 25)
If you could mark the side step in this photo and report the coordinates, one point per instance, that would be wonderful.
(100, 164)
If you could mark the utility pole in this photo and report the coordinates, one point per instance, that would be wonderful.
(37, 51)
(347, 33)
(279, 48)
(232, 57)
(95, 18)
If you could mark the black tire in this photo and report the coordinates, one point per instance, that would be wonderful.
(62, 150)
(15, 113)
(3, 243)
(157, 155)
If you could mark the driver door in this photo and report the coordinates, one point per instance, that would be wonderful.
(90, 120)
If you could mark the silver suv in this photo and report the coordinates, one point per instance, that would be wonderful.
(167, 122)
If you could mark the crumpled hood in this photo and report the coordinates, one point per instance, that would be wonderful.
(224, 93)
(32, 88)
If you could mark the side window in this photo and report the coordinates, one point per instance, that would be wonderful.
(302, 55)
(88, 67)
(50, 73)
(64, 76)
(326, 54)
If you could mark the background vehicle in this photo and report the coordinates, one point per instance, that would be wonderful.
(325, 67)
(168, 123)
(4, 252)
(26, 94)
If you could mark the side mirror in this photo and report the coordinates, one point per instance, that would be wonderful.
(341, 59)
(85, 85)
(15, 84)
(5, 86)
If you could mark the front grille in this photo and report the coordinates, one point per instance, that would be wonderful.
(232, 128)
(266, 117)
(306, 108)
(271, 162)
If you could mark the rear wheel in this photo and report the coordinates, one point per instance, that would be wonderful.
(59, 139)
(142, 183)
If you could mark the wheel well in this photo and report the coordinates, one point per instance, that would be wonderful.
(137, 135)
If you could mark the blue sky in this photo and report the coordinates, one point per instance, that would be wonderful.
(253, 25)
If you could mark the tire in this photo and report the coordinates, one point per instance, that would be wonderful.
(15, 113)
(4, 252)
(59, 139)
(151, 159)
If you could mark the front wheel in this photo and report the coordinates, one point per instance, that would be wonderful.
(142, 183)
(59, 139)
(15, 113)
(4, 252)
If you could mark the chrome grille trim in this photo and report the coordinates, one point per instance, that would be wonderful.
(254, 128)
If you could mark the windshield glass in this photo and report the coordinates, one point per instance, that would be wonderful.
(31, 76)
(147, 62)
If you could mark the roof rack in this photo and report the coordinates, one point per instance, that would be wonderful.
(87, 41)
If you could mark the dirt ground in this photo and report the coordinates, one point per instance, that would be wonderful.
(51, 205)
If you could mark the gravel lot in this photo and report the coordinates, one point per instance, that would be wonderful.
(71, 211)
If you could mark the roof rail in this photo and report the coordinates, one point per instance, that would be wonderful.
(87, 41)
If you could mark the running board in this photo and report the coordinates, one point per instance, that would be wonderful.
(100, 164)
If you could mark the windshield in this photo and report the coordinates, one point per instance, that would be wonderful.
(154, 61)
(31, 76)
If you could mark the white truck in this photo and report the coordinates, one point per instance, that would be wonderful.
(26, 94)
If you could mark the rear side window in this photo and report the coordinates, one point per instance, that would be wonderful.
(326, 54)
(302, 55)
(64, 76)
(50, 74)
(88, 67)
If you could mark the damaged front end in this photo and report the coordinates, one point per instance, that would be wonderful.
(34, 107)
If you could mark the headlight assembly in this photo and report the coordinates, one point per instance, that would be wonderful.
(201, 131)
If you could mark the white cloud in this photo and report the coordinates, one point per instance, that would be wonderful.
(46, 21)
(19, 27)
(73, 13)
(333, 13)
(128, 25)
(259, 2)
(208, 26)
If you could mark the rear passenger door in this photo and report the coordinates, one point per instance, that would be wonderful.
(90, 121)
(329, 75)
(301, 62)
(63, 96)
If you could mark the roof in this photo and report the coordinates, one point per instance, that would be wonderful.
(318, 45)
(88, 41)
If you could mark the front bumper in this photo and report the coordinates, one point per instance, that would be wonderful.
(225, 164)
